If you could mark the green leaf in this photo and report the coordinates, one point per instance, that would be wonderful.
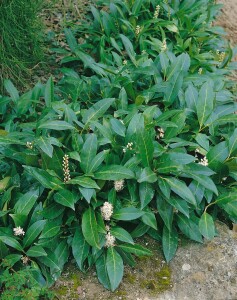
(11, 90)
(218, 153)
(8, 140)
(207, 226)
(228, 202)
(71, 40)
(164, 187)
(47, 180)
(232, 143)
(51, 229)
(145, 147)
(114, 172)
(169, 243)
(189, 228)
(84, 181)
(97, 161)
(122, 235)
(180, 188)
(32, 232)
(25, 203)
(87, 193)
(149, 219)
(65, 198)
(146, 193)
(36, 251)
(127, 213)
(97, 110)
(147, 175)
(11, 242)
(101, 271)
(80, 248)
(62, 253)
(180, 204)
(138, 250)
(205, 102)
(165, 210)
(90, 228)
(205, 181)
(56, 125)
(88, 152)
(129, 48)
(45, 145)
(118, 127)
(114, 266)
(49, 92)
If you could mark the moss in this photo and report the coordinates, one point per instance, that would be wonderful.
(121, 293)
(130, 278)
(160, 282)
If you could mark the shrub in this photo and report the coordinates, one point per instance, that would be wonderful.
(21, 41)
(142, 147)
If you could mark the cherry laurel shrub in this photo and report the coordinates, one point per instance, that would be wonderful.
(137, 138)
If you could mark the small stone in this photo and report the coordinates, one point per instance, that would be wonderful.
(186, 267)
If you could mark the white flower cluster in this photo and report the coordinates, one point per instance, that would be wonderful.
(200, 71)
(157, 11)
(160, 134)
(128, 147)
(66, 170)
(107, 211)
(18, 231)
(25, 259)
(164, 46)
(221, 55)
(138, 30)
(204, 161)
(144, 52)
(125, 62)
(29, 145)
(110, 240)
(118, 185)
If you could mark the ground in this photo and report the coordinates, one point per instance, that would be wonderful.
(199, 271)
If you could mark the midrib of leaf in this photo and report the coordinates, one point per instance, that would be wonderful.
(204, 109)
(146, 150)
(215, 157)
(92, 231)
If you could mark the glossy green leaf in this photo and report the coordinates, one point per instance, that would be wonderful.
(25, 203)
(80, 248)
(97, 161)
(180, 188)
(49, 92)
(207, 226)
(147, 175)
(180, 204)
(114, 172)
(88, 152)
(114, 266)
(56, 125)
(122, 235)
(62, 253)
(149, 219)
(11, 242)
(33, 232)
(101, 271)
(189, 228)
(84, 181)
(65, 198)
(118, 127)
(145, 147)
(90, 228)
(146, 193)
(36, 251)
(205, 102)
(97, 110)
(127, 213)
(169, 243)
(138, 250)
(51, 229)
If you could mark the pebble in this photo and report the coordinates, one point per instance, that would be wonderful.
(186, 267)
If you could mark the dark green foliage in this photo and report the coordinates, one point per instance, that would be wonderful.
(20, 39)
(152, 139)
